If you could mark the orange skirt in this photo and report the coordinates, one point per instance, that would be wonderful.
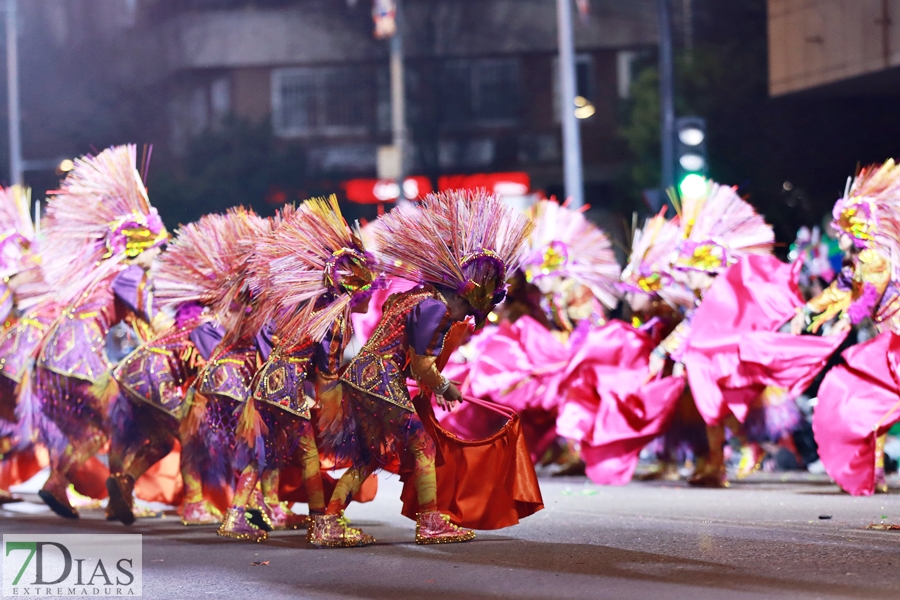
(481, 484)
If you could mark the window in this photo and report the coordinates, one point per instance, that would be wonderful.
(481, 92)
(323, 100)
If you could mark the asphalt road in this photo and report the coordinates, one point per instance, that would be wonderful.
(762, 538)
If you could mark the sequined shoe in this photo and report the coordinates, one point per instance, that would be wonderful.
(121, 498)
(436, 528)
(334, 531)
(236, 527)
(7, 497)
(200, 513)
(58, 501)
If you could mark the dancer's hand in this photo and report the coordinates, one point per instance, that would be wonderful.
(678, 370)
(450, 397)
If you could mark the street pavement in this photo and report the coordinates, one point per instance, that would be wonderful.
(770, 536)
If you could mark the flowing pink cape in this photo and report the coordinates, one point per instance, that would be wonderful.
(610, 403)
(734, 350)
(858, 401)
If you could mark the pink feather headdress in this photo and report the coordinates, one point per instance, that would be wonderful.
(564, 244)
(718, 228)
(100, 216)
(463, 240)
(311, 270)
(649, 268)
(208, 262)
(869, 211)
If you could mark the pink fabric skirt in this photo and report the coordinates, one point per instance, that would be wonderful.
(734, 350)
(858, 401)
(610, 403)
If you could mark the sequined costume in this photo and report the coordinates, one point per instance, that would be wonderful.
(72, 360)
(464, 243)
(406, 343)
(19, 413)
(101, 235)
(308, 275)
(153, 381)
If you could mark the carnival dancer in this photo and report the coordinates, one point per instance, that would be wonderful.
(858, 401)
(311, 273)
(460, 246)
(17, 255)
(734, 353)
(216, 398)
(101, 236)
(152, 382)
(610, 404)
(571, 266)
(743, 371)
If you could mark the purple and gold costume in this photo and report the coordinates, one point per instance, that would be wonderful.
(72, 359)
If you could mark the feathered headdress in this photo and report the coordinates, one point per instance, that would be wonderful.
(311, 270)
(208, 262)
(100, 216)
(466, 241)
(649, 268)
(718, 228)
(17, 235)
(868, 211)
(565, 244)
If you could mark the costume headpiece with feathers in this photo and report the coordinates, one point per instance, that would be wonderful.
(99, 217)
(718, 228)
(564, 244)
(208, 262)
(462, 240)
(649, 268)
(869, 211)
(311, 270)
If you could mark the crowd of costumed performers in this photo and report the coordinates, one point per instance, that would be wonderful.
(236, 400)
(485, 348)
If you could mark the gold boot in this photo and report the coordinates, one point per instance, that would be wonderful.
(334, 531)
(435, 528)
(236, 527)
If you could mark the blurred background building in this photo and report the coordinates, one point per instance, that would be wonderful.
(480, 86)
(259, 102)
(837, 47)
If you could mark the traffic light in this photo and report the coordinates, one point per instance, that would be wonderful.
(690, 155)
